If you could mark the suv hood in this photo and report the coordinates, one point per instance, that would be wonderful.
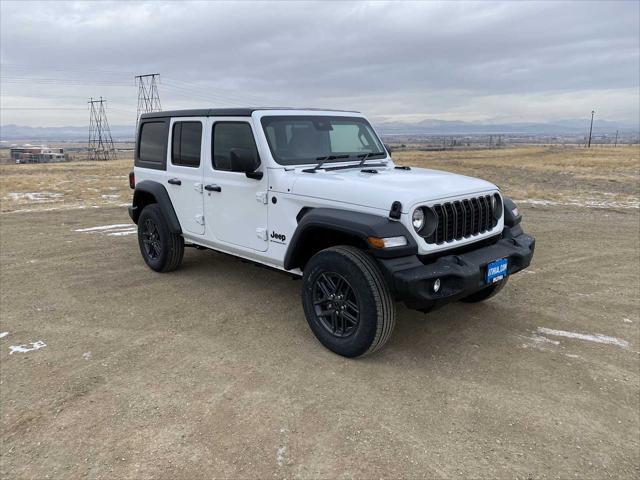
(380, 190)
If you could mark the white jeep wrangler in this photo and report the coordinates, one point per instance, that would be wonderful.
(315, 193)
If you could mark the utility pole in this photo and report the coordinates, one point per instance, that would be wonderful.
(591, 128)
(616, 142)
(100, 141)
(148, 96)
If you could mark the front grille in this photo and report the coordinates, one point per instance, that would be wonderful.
(462, 219)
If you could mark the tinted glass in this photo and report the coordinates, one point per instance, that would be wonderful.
(308, 139)
(226, 137)
(152, 138)
(186, 141)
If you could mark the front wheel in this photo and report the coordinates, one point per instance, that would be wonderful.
(347, 302)
(486, 293)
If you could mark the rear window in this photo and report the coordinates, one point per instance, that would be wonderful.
(152, 138)
(185, 144)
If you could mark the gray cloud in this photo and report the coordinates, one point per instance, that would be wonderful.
(470, 61)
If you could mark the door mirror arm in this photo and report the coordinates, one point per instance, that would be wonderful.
(255, 175)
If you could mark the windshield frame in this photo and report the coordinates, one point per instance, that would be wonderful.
(265, 120)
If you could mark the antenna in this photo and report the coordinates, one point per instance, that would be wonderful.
(100, 142)
(148, 96)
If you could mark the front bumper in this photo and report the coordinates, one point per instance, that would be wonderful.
(460, 275)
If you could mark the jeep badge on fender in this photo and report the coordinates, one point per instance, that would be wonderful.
(362, 232)
(278, 236)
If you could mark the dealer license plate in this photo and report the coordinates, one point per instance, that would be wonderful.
(497, 270)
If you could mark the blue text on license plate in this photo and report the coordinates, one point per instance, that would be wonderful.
(497, 270)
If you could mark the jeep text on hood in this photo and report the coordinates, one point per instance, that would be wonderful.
(317, 194)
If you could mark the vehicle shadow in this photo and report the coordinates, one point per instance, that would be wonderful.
(452, 331)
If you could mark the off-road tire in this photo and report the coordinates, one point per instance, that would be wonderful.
(376, 309)
(171, 245)
(486, 293)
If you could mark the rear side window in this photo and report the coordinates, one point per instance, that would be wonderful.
(152, 138)
(185, 144)
(226, 137)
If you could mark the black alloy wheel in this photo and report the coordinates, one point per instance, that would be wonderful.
(335, 304)
(151, 239)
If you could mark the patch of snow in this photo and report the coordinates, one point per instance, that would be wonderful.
(123, 232)
(24, 349)
(280, 455)
(587, 203)
(539, 339)
(36, 197)
(86, 355)
(627, 320)
(597, 338)
(103, 227)
(3, 334)
(110, 196)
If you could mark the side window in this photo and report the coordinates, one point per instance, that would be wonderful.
(151, 145)
(185, 144)
(226, 137)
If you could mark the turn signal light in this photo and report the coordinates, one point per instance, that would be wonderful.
(132, 180)
(388, 242)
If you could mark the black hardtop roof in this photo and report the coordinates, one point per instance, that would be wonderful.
(228, 112)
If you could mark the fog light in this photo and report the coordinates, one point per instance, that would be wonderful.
(436, 285)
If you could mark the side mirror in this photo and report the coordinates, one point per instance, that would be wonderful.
(388, 147)
(245, 160)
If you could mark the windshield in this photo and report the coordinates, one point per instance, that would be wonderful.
(303, 140)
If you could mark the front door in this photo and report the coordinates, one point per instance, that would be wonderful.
(184, 173)
(235, 206)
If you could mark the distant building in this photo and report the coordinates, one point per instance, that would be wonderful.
(37, 154)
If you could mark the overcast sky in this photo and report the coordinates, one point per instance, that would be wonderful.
(507, 62)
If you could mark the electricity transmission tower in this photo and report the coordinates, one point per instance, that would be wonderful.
(100, 141)
(148, 96)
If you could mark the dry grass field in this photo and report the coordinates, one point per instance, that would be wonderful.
(597, 177)
(109, 370)
(604, 176)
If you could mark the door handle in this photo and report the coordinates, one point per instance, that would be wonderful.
(213, 188)
(174, 181)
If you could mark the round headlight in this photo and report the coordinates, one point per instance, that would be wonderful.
(418, 219)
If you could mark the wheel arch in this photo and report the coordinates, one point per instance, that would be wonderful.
(320, 228)
(148, 192)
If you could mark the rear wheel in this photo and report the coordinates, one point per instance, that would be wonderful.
(347, 302)
(486, 293)
(161, 249)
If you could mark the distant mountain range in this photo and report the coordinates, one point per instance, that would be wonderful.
(425, 127)
(569, 126)
(69, 133)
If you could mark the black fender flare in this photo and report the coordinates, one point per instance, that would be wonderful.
(358, 224)
(510, 219)
(161, 196)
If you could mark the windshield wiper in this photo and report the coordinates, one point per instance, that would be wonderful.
(322, 160)
(365, 157)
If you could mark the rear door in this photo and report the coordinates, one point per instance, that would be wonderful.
(235, 206)
(184, 172)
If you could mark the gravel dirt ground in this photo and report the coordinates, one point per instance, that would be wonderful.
(211, 371)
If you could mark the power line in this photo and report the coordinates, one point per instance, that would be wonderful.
(100, 141)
